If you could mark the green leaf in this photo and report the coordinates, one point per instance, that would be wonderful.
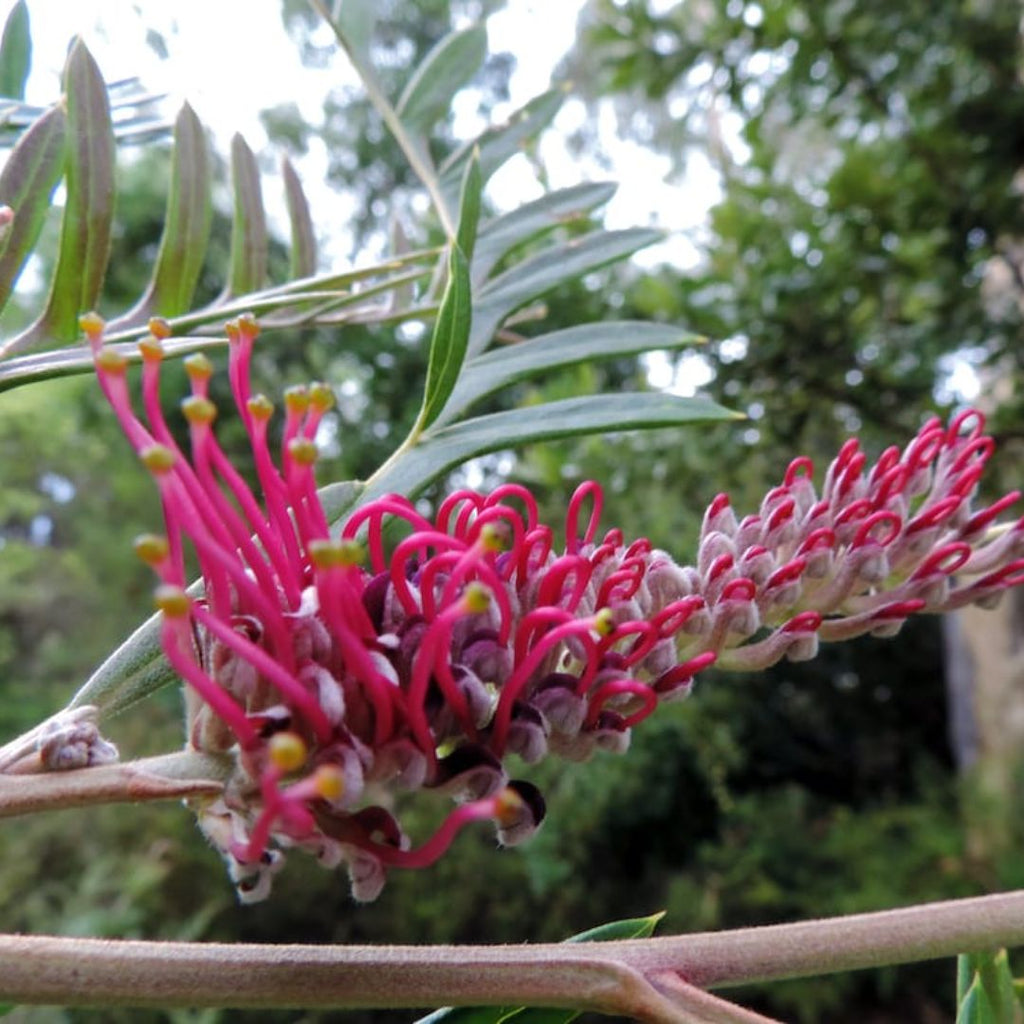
(502, 367)
(67, 362)
(469, 208)
(136, 670)
(562, 206)
(986, 990)
(15, 52)
(355, 21)
(448, 341)
(339, 498)
(498, 144)
(186, 231)
(633, 928)
(249, 241)
(27, 183)
(89, 209)
(439, 451)
(444, 71)
(546, 270)
(302, 262)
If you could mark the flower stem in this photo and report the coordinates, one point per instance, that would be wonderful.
(648, 979)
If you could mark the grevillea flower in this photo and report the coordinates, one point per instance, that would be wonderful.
(402, 651)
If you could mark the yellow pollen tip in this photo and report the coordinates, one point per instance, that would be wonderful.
(157, 458)
(303, 451)
(604, 622)
(109, 360)
(492, 538)
(476, 599)
(151, 548)
(159, 327)
(172, 601)
(198, 411)
(198, 367)
(151, 348)
(231, 330)
(247, 325)
(508, 807)
(296, 399)
(260, 407)
(287, 751)
(329, 781)
(321, 397)
(324, 554)
(92, 324)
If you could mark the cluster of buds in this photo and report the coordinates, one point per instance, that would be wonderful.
(406, 652)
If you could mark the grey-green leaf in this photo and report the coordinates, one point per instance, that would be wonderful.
(502, 367)
(89, 209)
(545, 270)
(448, 341)
(439, 451)
(302, 261)
(186, 231)
(249, 240)
(27, 184)
(498, 144)
(15, 52)
(444, 71)
(498, 236)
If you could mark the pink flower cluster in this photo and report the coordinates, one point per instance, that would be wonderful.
(402, 651)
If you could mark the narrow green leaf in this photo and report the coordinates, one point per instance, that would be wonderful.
(443, 72)
(302, 261)
(976, 1007)
(498, 236)
(498, 144)
(545, 270)
(27, 184)
(186, 231)
(500, 368)
(448, 341)
(633, 928)
(355, 20)
(964, 976)
(249, 241)
(89, 208)
(339, 498)
(68, 362)
(469, 208)
(134, 671)
(15, 52)
(439, 451)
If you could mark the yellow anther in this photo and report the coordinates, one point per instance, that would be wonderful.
(231, 330)
(508, 807)
(352, 552)
(159, 327)
(476, 599)
(109, 360)
(321, 397)
(260, 407)
(172, 601)
(151, 548)
(198, 367)
(324, 554)
(604, 622)
(247, 325)
(151, 348)
(303, 451)
(329, 781)
(157, 458)
(492, 537)
(287, 751)
(296, 399)
(198, 410)
(92, 324)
